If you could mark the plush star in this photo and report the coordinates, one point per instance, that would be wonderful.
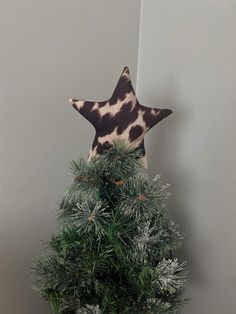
(120, 117)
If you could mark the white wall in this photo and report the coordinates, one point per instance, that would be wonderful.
(187, 62)
(52, 50)
(49, 51)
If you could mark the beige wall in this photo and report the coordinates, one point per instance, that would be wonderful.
(49, 51)
(187, 62)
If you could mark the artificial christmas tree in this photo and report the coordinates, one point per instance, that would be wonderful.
(114, 251)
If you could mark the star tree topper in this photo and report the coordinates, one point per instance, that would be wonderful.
(120, 117)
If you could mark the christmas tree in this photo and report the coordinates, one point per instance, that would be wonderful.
(114, 251)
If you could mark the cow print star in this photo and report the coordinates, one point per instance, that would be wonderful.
(121, 117)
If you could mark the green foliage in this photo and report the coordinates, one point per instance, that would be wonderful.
(114, 250)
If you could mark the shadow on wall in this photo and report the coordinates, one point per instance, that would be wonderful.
(166, 157)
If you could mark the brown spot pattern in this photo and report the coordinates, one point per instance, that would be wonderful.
(120, 117)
